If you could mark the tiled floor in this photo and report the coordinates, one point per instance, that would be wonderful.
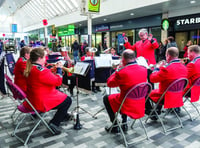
(93, 135)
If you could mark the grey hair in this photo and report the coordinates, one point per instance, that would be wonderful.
(143, 30)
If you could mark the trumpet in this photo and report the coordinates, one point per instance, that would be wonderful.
(184, 60)
(70, 70)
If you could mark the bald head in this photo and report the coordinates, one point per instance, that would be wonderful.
(128, 56)
(173, 52)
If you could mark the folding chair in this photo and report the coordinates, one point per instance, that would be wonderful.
(194, 90)
(138, 93)
(13, 97)
(176, 88)
(19, 94)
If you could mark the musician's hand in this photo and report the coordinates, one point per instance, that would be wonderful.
(125, 39)
(160, 64)
(59, 65)
(150, 36)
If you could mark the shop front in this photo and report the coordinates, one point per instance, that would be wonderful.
(185, 28)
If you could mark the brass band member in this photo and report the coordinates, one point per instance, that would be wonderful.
(20, 66)
(165, 75)
(124, 78)
(41, 89)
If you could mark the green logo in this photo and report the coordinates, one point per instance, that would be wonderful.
(94, 2)
(165, 24)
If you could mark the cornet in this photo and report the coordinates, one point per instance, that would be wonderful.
(93, 49)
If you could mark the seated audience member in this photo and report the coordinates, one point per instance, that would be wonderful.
(124, 78)
(194, 66)
(165, 74)
(41, 89)
(20, 66)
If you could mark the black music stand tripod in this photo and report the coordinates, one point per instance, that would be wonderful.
(78, 125)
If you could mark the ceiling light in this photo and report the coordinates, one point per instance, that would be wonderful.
(192, 2)
(105, 19)
(131, 13)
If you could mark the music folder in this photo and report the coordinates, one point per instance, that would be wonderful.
(81, 68)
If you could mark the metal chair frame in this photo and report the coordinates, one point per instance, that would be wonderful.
(169, 110)
(196, 82)
(119, 110)
(20, 94)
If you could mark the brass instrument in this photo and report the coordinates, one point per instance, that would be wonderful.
(92, 49)
(185, 60)
(70, 70)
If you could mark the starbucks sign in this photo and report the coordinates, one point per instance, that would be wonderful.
(165, 24)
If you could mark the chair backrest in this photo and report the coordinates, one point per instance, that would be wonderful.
(134, 100)
(195, 90)
(7, 78)
(174, 93)
(11, 62)
(18, 94)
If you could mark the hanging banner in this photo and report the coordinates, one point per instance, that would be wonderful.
(94, 5)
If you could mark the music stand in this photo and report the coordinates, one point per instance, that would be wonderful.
(80, 69)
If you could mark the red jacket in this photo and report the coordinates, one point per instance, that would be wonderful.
(125, 78)
(20, 79)
(145, 49)
(41, 89)
(165, 76)
(186, 52)
(194, 73)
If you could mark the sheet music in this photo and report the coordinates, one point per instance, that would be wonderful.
(114, 90)
(81, 68)
(142, 61)
(107, 56)
(115, 62)
(102, 62)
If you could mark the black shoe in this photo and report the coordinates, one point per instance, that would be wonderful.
(177, 110)
(68, 117)
(94, 90)
(125, 127)
(147, 112)
(114, 129)
(154, 117)
(55, 128)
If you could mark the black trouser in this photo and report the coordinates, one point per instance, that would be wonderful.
(148, 106)
(111, 114)
(61, 113)
(149, 71)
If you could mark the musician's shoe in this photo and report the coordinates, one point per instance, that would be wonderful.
(177, 110)
(55, 128)
(114, 129)
(94, 90)
(98, 89)
(125, 127)
(154, 117)
(68, 117)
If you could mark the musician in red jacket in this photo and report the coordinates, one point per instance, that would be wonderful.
(41, 89)
(165, 75)
(193, 70)
(20, 66)
(124, 78)
(145, 47)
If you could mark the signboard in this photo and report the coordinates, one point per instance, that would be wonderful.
(94, 5)
(100, 28)
(53, 30)
(14, 28)
(165, 24)
(69, 30)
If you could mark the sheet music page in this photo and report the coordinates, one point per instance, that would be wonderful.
(142, 61)
(107, 56)
(102, 62)
(81, 68)
(115, 62)
(114, 90)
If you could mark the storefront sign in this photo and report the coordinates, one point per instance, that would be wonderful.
(188, 21)
(94, 5)
(116, 26)
(165, 24)
(100, 28)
